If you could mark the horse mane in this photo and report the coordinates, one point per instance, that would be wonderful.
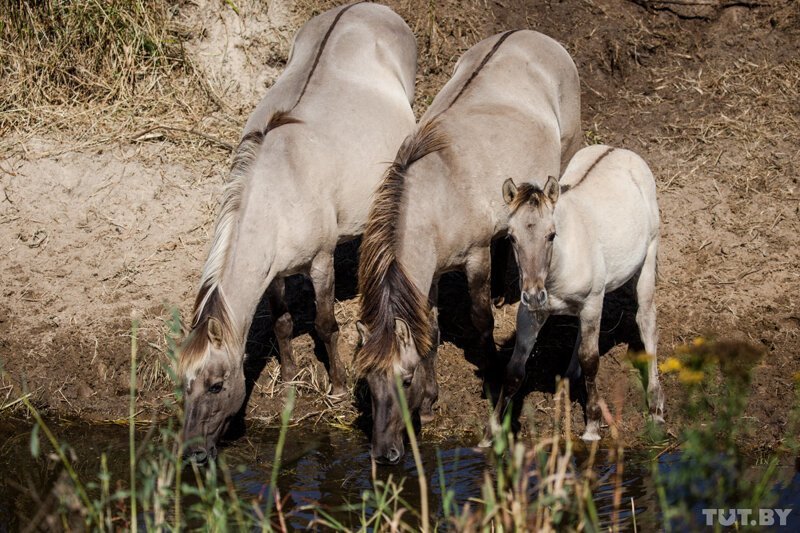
(386, 290)
(210, 302)
(528, 193)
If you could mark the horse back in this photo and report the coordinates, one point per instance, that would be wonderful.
(354, 54)
(612, 192)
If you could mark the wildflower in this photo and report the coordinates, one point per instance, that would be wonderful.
(698, 342)
(690, 377)
(642, 358)
(672, 364)
(796, 377)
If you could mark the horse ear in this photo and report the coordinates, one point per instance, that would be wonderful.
(363, 332)
(552, 189)
(402, 331)
(509, 191)
(215, 332)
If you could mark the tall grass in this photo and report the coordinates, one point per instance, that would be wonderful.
(711, 471)
(531, 483)
(163, 492)
(67, 51)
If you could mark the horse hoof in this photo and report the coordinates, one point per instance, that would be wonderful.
(485, 442)
(592, 432)
(590, 436)
(658, 419)
(426, 418)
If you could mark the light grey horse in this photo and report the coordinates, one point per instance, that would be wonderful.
(574, 242)
(312, 153)
(512, 108)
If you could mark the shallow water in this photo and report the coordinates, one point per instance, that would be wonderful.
(325, 468)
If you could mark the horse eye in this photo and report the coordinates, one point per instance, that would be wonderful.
(551, 236)
(216, 388)
(407, 381)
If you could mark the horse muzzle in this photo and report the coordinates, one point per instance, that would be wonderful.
(535, 299)
(390, 455)
(201, 455)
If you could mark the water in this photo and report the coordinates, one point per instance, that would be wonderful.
(326, 468)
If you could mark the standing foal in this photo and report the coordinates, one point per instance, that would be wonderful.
(576, 241)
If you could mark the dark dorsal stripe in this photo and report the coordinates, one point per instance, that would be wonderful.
(280, 118)
(320, 50)
(482, 64)
(565, 188)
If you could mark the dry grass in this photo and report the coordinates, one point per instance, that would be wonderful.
(97, 71)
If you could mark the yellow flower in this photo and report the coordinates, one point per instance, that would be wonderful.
(797, 377)
(672, 364)
(641, 358)
(690, 377)
(698, 342)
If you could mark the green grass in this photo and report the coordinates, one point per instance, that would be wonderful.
(532, 483)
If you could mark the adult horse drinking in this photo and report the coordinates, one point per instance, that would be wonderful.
(574, 242)
(512, 108)
(312, 152)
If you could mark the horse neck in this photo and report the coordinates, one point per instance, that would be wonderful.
(419, 260)
(569, 247)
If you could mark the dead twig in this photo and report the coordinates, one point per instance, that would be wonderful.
(141, 136)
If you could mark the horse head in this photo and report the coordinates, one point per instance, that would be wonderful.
(532, 230)
(388, 428)
(212, 370)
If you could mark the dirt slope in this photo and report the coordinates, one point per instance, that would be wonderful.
(95, 233)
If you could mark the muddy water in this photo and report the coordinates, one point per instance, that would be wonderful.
(323, 468)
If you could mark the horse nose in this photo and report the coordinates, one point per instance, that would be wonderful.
(526, 299)
(198, 456)
(541, 296)
(390, 457)
(394, 455)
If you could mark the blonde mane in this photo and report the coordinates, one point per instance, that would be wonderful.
(210, 301)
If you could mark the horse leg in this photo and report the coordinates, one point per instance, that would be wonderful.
(589, 357)
(431, 387)
(478, 269)
(502, 249)
(646, 320)
(327, 329)
(528, 325)
(283, 325)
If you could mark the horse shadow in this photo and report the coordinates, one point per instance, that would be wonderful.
(262, 344)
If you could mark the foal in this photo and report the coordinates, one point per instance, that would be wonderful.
(577, 240)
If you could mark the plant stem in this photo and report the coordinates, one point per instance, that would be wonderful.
(132, 427)
(412, 440)
(276, 465)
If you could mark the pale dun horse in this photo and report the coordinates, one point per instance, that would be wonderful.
(312, 153)
(511, 108)
(576, 241)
